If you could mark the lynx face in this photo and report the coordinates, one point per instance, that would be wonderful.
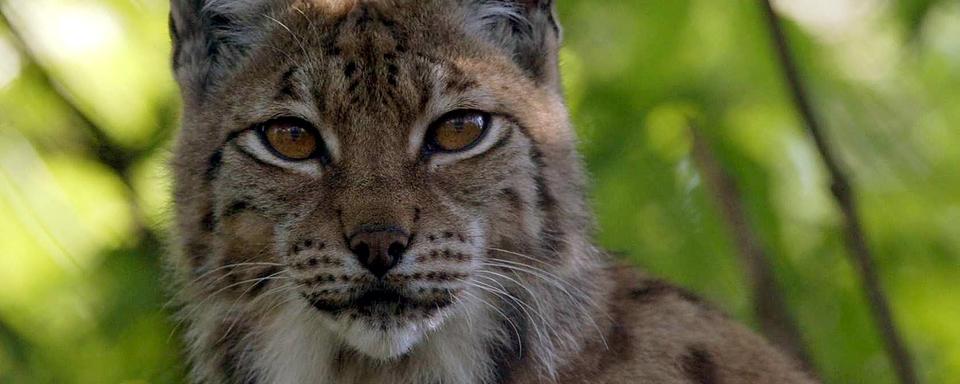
(375, 163)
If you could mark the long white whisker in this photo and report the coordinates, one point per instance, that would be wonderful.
(235, 302)
(556, 282)
(516, 330)
(539, 310)
(192, 309)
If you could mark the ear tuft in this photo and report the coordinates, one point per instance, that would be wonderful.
(526, 29)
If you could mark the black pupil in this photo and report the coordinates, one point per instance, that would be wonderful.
(295, 133)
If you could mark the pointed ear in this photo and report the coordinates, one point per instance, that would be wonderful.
(526, 29)
(210, 37)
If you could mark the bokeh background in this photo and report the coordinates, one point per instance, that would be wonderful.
(88, 106)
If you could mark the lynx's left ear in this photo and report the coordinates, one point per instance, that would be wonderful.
(526, 29)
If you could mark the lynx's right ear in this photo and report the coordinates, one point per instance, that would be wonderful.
(211, 36)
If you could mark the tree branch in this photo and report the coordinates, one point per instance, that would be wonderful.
(770, 309)
(845, 198)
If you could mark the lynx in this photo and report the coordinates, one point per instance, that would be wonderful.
(389, 192)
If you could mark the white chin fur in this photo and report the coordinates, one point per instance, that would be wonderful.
(383, 344)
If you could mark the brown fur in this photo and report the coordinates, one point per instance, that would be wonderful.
(500, 239)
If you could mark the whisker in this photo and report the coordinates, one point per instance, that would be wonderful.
(516, 330)
(193, 308)
(235, 302)
(234, 268)
(557, 282)
(538, 311)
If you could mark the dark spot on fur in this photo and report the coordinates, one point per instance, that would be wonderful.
(213, 165)
(699, 366)
(208, 223)
(236, 207)
(651, 290)
(352, 88)
(350, 69)
(655, 289)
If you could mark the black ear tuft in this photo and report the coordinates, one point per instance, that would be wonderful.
(525, 29)
(210, 37)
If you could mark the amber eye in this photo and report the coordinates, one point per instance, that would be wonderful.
(291, 139)
(457, 131)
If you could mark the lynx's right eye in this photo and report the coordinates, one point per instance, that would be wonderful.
(291, 139)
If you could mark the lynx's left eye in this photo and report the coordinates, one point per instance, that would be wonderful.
(457, 131)
(291, 139)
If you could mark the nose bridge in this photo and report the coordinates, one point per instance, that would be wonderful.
(377, 193)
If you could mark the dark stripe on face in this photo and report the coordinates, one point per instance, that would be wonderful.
(215, 162)
(699, 367)
(213, 165)
(544, 199)
(288, 89)
(501, 142)
(551, 235)
(263, 280)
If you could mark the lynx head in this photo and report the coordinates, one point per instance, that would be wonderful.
(381, 164)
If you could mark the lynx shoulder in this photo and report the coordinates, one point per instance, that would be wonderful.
(389, 192)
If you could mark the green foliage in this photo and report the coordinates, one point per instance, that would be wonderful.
(80, 286)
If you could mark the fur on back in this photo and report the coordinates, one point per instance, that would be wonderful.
(498, 281)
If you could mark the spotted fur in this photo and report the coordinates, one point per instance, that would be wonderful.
(500, 282)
